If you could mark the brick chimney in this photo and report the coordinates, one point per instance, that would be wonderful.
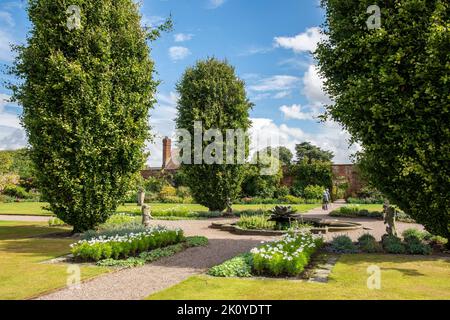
(167, 150)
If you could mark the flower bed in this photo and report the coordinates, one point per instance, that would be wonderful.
(288, 256)
(354, 211)
(123, 246)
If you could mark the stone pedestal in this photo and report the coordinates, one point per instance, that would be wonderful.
(146, 215)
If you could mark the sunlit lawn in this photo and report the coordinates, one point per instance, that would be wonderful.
(22, 273)
(37, 208)
(402, 277)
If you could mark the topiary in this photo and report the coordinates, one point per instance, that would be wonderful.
(393, 244)
(342, 244)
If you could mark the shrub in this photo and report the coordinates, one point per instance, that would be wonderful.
(282, 191)
(368, 243)
(7, 199)
(392, 244)
(256, 222)
(414, 245)
(16, 192)
(342, 244)
(414, 233)
(289, 199)
(117, 246)
(313, 192)
(289, 256)
(240, 266)
(183, 192)
(167, 191)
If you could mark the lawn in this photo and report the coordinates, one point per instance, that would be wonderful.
(402, 277)
(37, 208)
(23, 275)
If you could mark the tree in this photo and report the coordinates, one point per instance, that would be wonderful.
(309, 152)
(314, 173)
(86, 93)
(211, 93)
(283, 154)
(391, 91)
(257, 185)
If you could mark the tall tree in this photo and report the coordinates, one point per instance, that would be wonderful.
(282, 153)
(86, 93)
(388, 73)
(306, 151)
(210, 92)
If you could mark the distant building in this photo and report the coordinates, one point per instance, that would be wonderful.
(346, 172)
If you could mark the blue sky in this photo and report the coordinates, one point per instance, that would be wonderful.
(268, 41)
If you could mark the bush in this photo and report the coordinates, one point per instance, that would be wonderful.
(368, 243)
(415, 233)
(56, 222)
(183, 192)
(392, 244)
(291, 200)
(364, 200)
(414, 245)
(197, 241)
(123, 246)
(255, 222)
(282, 191)
(240, 266)
(354, 211)
(16, 192)
(342, 244)
(313, 192)
(7, 199)
(167, 191)
(288, 256)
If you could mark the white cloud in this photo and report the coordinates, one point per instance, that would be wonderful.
(152, 21)
(213, 4)
(313, 87)
(297, 112)
(12, 136)
(178, 53)
(6, 18)
(303, 42)
(275, 83)
(182, 37)
(5, 49)
(330, 136)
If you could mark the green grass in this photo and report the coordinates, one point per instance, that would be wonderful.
(369, 207)
(22, 273)
(402, 277)
(37, 208)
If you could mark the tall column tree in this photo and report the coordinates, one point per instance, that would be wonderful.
(211, 93)
(390, 79)
(87, 88)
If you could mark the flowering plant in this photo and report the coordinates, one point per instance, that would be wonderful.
(122, 246)
(288, 256)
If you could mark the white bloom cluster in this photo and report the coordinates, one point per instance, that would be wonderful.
(125, 238)
(289, 247)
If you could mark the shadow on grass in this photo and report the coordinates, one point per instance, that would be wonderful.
(12, 232)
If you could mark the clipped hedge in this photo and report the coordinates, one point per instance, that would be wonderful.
(123, 246)
(356, 212)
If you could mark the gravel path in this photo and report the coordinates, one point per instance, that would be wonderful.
(138, 283)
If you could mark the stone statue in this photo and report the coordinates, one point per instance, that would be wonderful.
(389, 215)
(229, 211)
(146, 215)
(141, 197)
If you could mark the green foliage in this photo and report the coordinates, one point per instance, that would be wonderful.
(281, 153)
(210, 92)
(55, 222)
(264, 186)
(197, 241)
(368, 243)
(415, 245)
(123, 246)
(288, 256)
(315, 173)
(351, 200)
(86, 97)
(391, 92)
(16, 192)
(260, 222)
(282, 216)
(313, 192)
(415, 233)
(17, 162)
(354, 211)
(308, 152)
(392, 244)
(240, 266)
(342, 244)
(282, 191)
